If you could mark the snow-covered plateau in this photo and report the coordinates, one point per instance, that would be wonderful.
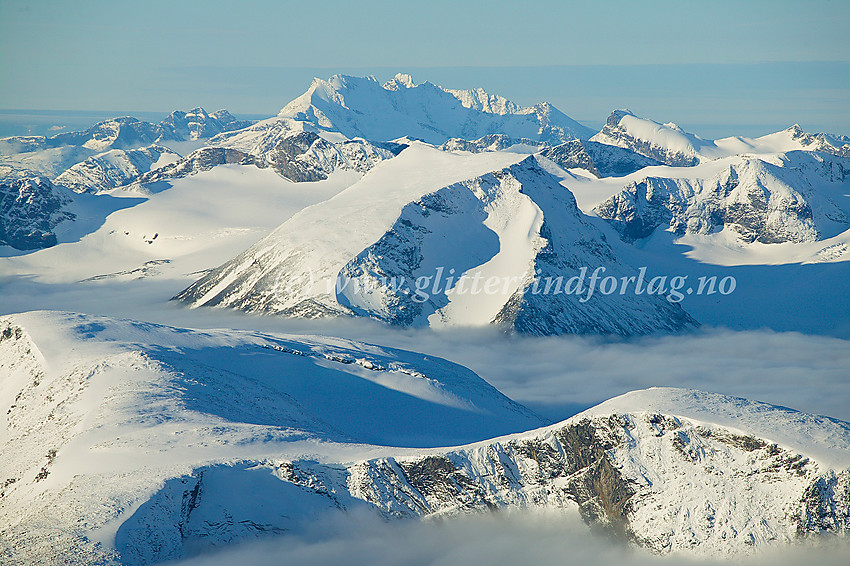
(214, 331)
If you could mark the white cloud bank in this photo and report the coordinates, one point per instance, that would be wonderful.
(504, 539)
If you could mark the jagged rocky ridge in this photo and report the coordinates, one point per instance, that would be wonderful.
(30, 209)
(628, 473)
(353, 109)
(600, 159)
(362, 252)
(200, 160)
(826, 143)
(299, 157)
(791, 198)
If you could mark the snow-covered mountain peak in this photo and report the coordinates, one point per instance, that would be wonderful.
(479, 99)
(673, 126)
(667, 143)
(401, 80)
(360, 107)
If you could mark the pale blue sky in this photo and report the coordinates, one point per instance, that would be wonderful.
(706, 65)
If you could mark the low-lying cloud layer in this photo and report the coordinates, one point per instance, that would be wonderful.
(560, 376)
(503, 539)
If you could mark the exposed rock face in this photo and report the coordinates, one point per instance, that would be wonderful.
(30, 209)
(127, 132)
(600, 159)
(307, 157)
(761, 201)
(199, 160)
(114, 168)
(836, 145)
(634, 475)
(173, 441)
(299, 157)
(491, 142)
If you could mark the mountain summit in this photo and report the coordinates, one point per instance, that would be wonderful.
(362, 107)
(450, 220)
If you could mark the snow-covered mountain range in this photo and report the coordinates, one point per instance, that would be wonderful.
(134, 443)
(386, 212)
(734, 194)
(672, 145)
(362, 107)
(797, 196)
(22, 156)
(473, 218)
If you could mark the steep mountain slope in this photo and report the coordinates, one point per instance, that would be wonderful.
(491, 142)
(670, 144)
(794, 197)
(362, 107)
(432, 238)
(635, 465)
(115, 168)
(667, 143)
(200, 160)
(30, 209)
(132, 443)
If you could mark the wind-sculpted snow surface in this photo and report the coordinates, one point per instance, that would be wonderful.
(133, 443)
(368, 251)
(789, 198)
